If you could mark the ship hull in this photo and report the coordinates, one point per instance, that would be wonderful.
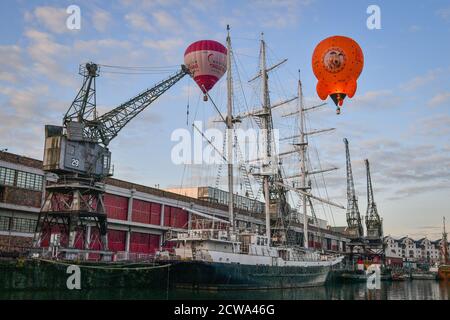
(228, 276)
(444, 272)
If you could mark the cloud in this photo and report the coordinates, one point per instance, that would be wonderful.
(139, 21)
(437, 125)
(169, 48)
(24, 101)
(26, 109)
(166, 21)
(99, 45)
(101, 20)
(399, 168)
(11, 63)
(416, 190)
(277, 14)
(165, 45)
(374, 97)
(53, 19)
(439, 99)
(415, 28)
(48, 55)
(422, 80)
(444, 13)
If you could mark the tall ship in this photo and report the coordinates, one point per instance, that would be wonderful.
(214, 253)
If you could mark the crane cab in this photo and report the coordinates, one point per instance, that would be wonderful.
(70, 153)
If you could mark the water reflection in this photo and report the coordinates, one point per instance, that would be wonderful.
(408, 290)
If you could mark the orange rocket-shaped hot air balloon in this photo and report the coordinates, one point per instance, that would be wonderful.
(337, 63)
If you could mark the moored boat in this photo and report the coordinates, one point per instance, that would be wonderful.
(399, 276)
(424, 276)
(210, 258)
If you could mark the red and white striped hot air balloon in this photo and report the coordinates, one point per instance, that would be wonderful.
(207, 63)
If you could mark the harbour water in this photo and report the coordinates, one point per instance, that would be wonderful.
(407, 290)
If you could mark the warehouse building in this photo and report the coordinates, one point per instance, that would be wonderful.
(139, 217)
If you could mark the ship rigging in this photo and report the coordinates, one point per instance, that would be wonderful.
(217, 254)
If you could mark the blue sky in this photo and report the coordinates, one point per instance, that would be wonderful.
(399, 117)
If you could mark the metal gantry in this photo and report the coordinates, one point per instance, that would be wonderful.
(355, 228)
(374, 224)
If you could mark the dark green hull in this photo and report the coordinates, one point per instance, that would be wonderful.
(38, 275)
(225, 276)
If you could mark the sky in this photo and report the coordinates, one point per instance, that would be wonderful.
(399, 118)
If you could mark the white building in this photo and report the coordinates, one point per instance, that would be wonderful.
(406, 249)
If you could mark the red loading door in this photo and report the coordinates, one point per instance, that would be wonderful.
(182, 218)
(154, 243)
(173, 217)
(116, 206)
(139, 242)
(117, 240)
(155, 214)
(167, 212)
(141, 211)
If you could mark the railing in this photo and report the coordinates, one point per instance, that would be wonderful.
(208, 224)
(134, 257)
(13, 251)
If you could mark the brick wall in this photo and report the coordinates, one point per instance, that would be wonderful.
(14, 158)
(19, 196)
(14, 244)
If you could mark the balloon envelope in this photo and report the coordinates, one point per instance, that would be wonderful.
(207, 62)
(337, 63)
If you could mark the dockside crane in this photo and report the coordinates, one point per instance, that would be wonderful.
(374, 245)
(355, 229)
(73, 216)
(374, 225)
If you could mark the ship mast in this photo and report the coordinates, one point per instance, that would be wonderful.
(444, 243)
(266, 130)
(303, 145)
(229, 124)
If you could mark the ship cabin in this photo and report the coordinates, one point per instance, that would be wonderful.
(206, 235)
(256, 244)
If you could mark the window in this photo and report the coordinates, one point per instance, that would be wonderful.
(7, 176)
(4, 223)
(23, 225)
(105, 162)
(17, 224)
(28, 180)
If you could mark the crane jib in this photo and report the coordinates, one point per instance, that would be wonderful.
(113, 121)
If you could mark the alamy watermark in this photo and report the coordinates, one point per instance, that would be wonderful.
(73, 21)
(374, 20)
(74, 280)
(374, 277)
(209, 146)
